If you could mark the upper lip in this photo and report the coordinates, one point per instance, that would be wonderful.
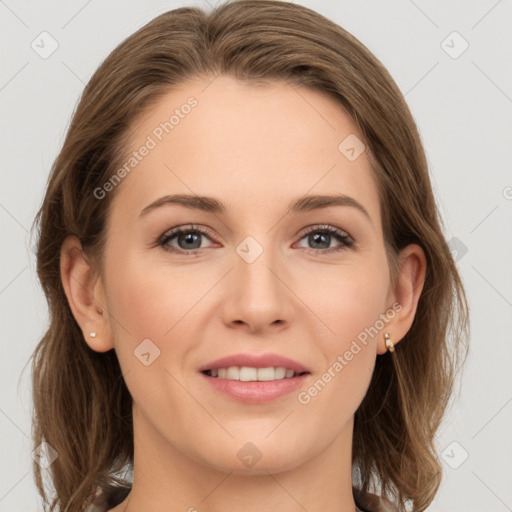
(255, 361)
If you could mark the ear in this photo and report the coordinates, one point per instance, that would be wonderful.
(84, 290)
(405, 294)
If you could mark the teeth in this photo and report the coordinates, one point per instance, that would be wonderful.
(249, 374)
(233, 373)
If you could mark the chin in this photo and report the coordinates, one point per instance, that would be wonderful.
(262, 458)
(275, 464)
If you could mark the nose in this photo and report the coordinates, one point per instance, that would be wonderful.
(257, 296)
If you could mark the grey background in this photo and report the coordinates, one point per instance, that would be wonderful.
(463, 107)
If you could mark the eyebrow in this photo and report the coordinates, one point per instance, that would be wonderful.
(211, 205)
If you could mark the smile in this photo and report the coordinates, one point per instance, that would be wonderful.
(251, 374)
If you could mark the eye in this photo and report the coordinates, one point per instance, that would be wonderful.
(188, 240)
(184, 240)
(321, 237)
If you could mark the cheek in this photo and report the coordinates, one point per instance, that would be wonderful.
(354, 310)
(148, 299)
(348, 360)
(350, 299)
(150, 306)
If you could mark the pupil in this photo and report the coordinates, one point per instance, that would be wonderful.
(321, 238)
(189, 238)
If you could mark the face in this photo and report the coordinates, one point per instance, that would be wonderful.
(258, 271)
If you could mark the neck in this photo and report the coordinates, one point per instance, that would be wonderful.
(165, 477)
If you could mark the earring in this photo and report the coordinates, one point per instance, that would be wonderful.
(92, 334)
(389, 343)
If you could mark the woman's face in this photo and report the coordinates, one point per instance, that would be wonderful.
(252, 277)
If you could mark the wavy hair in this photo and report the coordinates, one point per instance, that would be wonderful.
(82, 407)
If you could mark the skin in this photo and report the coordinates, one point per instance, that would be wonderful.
(255, 149)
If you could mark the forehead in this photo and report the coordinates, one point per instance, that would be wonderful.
(247, 145)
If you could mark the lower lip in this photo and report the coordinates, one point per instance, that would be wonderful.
(256, 392)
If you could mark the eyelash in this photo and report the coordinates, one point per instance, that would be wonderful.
(341, 236)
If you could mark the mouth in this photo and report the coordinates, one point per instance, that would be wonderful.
(252, 374)
(250, 385)
(255, 378)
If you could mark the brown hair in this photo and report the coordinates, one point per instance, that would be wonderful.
(82, 406)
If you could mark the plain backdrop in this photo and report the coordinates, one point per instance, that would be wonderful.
(450, 59)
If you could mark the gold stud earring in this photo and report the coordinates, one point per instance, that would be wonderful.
(389, 343)
(92, 334)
